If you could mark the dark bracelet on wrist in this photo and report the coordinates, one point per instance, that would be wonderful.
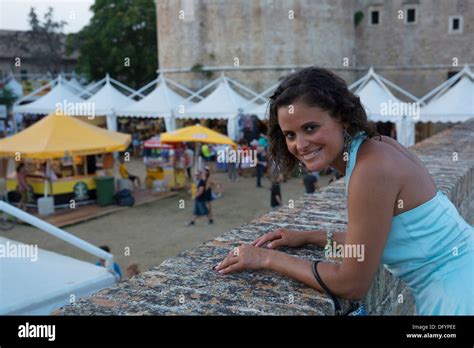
(337, 305)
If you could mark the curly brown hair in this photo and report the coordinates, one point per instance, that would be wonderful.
(315, 87)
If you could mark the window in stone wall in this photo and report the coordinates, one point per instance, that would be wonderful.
(455, 24)
(410, 15)
(374, 17)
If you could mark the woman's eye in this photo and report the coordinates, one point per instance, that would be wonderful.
(290, 136)
(310, 128)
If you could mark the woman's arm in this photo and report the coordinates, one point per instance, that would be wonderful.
(369, 224)
(292, 238)
(372, 195)
(319, 237)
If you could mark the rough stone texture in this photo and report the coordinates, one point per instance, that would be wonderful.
(260, 32)
(257, 32)
(428, 42)
(187, 285)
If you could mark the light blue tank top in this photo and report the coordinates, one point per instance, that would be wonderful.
(431, 249)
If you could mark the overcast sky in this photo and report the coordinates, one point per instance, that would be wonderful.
(14, 13)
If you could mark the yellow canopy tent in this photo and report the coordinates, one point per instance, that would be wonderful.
(198, 134)
(58, 135)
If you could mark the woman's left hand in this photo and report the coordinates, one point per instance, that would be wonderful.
(244, 257)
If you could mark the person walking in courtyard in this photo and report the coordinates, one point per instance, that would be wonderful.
(200, 200)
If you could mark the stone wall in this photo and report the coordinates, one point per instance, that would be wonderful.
(257, 32)
(260, 32)
(428, 42)
(187, 285)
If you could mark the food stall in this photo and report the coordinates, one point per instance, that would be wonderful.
(164, 164)
(197, 134)
(63, 158)
(66, 179)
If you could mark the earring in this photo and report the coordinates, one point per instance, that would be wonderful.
(300, 165)
(347, 140)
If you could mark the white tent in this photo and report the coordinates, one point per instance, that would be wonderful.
(452, 101)
(59, 96)
(107, 100)
(161, 102)
(75, 86)
(91, 88)
(261, 110)
(42, 286)
(223, 103)
(14, 86)
(381, 105)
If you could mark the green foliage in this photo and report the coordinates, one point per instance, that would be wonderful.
(48, 26)
(358, 17)
(198, 68)
(120, 40)
(7, 97)
(44, 40)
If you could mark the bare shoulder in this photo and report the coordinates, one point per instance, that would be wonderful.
(380, 162)
(389, 164)
(374, 171)
(388, 154)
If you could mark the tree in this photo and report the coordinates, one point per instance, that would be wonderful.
(45, 41)
(7, 97)
(120, 40)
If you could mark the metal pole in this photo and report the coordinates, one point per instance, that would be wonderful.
(57, 232)
(176, 84)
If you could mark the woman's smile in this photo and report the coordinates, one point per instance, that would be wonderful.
(312, 135)
(309, 155)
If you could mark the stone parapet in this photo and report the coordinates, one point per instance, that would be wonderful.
(187, 285)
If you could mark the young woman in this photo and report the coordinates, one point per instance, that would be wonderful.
(200, 199)
(394, 208)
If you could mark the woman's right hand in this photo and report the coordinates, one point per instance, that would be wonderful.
(282, 237)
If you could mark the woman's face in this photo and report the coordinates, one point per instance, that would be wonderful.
(312, 136)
